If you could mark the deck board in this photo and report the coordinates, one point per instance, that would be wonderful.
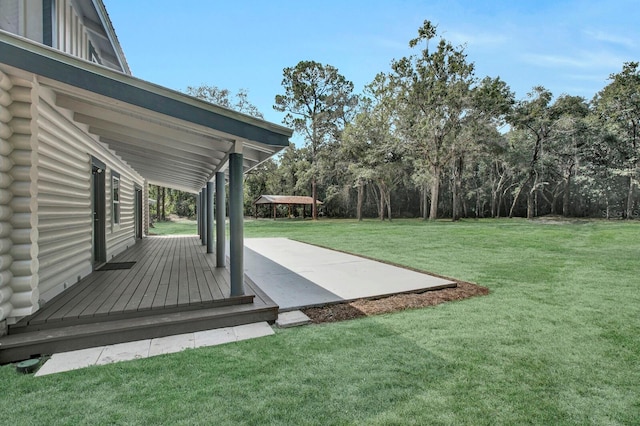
(173, 287)
(170, 272)
(145, 290)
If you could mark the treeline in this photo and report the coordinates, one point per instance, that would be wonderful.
(430, 139)
(166, 201)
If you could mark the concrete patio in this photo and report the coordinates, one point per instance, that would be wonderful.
(297, 275)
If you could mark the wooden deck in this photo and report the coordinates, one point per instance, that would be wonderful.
(173, 287)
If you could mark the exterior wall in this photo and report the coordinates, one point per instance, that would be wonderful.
(64, 196)
(46, 212)
(65, 199)
(10, 16)
(22, 17)
(121, 236)
(18, 229)
(25, 18)
(69, 34)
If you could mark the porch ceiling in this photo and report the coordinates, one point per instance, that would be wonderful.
(169, 138)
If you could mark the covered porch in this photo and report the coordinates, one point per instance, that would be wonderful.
(74, 113)
(167, 285)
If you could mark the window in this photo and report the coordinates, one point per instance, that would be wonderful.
(115, 196)
(93, 54)
(48, 22)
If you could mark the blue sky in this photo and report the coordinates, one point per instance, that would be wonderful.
(568, 46)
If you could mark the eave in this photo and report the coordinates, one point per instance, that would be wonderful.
(169, 138)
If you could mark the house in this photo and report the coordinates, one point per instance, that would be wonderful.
(80, 141)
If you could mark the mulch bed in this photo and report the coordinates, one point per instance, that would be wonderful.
(367, 307)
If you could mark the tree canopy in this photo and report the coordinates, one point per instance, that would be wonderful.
(428, 138)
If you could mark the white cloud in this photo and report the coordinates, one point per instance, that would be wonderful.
(611, 38)
(584, 59)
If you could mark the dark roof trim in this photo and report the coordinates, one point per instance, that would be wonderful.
(25, 55)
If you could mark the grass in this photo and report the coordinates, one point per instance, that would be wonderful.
(556, 342)
(177, 226)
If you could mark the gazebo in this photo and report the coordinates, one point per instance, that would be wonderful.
(289, 200)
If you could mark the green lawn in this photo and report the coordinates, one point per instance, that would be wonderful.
(174, 227)
(557, 341)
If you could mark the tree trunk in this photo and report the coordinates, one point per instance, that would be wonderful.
(382, 197)
(632, 187)
(435, 190)
(425, 201)
(388, 197)
(455, 191)
(158, 200)
(515, 199)
(163, 212)
(495, 204)
(314, 196)
(360, 200)
(566, 194)
(530, 203)
(465, 209)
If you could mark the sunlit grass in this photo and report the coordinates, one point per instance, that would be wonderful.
(174, 227)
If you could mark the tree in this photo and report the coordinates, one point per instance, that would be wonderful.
(316, 99)
(490, 103)
(618, 106)
(223, 97)
(532, 116)
(432, 92)
(569, 134)
(372, 147)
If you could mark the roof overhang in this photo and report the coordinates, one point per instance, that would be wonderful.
(169, 138)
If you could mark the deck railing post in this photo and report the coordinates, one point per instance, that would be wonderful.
(221, 214)
(209, 217)
(236, 224)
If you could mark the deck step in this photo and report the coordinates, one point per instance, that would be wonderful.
(27, 326)
(17, 347)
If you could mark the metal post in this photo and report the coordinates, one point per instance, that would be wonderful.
(209, 217)
(236, 225)
(220, 221)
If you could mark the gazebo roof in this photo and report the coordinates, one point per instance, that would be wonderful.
(285, 199)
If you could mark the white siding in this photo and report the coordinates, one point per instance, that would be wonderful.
(22, 17)
(6, 164)
(9, 15)
(20, 233)
(46, 214)
(70, 35)
(65, 203)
